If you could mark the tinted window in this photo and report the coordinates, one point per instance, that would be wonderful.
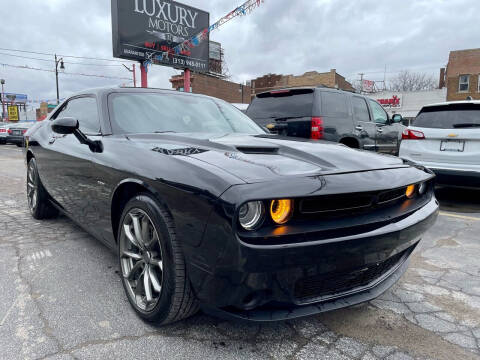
(282, 104)
(334, 104)
(453, 116)
(360, 109)
(157, 112)
(85, 111)
(379, 114)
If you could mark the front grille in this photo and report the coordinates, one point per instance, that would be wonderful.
(317, 286)
(347, 202)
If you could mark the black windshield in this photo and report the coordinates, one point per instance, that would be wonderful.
(453, 116)
(176, 113)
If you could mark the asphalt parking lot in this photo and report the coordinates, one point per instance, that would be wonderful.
(61, 298)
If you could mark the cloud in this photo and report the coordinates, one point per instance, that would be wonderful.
(282, 36)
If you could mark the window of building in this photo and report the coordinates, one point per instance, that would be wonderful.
(464, 83)
(478, 82)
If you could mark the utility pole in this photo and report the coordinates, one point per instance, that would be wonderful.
(132, 70)
(3, 98)
(385, 78)
(62, 67)
(361, 82)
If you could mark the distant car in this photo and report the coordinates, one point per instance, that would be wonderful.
(322, 113)
(445, 138)
(3, 133)
(16, 131)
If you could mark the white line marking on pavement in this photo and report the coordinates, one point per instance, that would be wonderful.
(443, 213)
(8, 312)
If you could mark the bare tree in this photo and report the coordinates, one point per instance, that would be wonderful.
(412, 81)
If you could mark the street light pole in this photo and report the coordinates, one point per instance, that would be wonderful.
(62, 67)
(2, 81)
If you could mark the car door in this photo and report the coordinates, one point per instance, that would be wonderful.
(387, 134)
(364, 128)
(69, 176)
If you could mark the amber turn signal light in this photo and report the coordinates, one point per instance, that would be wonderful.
(410, 191)
(281, 210)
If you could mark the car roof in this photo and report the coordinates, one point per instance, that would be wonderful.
(124, 89)
(318, 88)
(446, 103)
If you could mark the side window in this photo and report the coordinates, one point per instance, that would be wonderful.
(334, 104)
(360, 109)
(379, 114)
(83, 109)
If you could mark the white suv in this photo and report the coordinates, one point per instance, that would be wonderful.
(445, 138)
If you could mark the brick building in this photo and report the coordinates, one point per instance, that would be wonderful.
(311, 78)
(213, 86)
(463, 75)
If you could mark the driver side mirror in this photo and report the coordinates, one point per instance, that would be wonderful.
(70, 125)
(397, 118)
(65, 126)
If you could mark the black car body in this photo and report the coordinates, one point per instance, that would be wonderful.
(349, 237)
(329, 114)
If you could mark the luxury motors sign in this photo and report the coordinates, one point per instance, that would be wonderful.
(146, 30)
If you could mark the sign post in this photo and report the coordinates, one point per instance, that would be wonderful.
(186, 80)
(149, 31)
(143, 76)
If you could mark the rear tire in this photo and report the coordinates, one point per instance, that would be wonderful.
(151, 257)
(37, 197)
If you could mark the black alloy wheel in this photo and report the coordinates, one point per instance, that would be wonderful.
(141, 259)
(152, 263)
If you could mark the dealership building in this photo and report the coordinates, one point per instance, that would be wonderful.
(408, 103)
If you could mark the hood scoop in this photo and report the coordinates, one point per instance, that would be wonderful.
(258, 149)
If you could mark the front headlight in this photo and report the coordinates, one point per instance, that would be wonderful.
(281, 210)
(251, 215)
(422, 188)
(410, 192)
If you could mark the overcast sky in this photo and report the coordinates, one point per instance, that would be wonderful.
(282, 36)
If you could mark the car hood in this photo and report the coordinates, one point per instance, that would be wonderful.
(266, 157)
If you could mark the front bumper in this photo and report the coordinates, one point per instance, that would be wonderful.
(273, 283)
(457, 177)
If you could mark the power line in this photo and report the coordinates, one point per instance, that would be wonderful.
(67, 56)
(66, 73)
(53, 61)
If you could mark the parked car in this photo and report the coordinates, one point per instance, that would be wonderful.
(445, 138)
(3, 133)
(204, 208)
(16, 131)
(328, 114)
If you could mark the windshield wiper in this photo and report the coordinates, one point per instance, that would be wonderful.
(164, 132)
(466, 125)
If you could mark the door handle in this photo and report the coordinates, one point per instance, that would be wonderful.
(380, 130)
(359, 127)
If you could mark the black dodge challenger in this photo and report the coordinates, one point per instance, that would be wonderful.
(205, 209)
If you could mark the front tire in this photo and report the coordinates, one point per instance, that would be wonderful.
(152, 263)
(37, 197)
